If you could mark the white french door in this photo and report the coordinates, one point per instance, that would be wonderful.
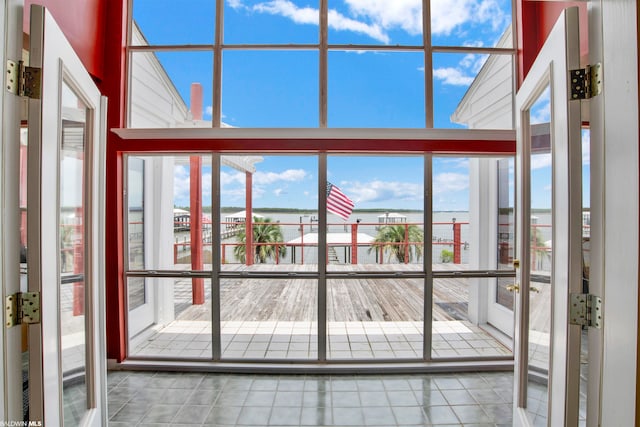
(549, 236)
(65, 197)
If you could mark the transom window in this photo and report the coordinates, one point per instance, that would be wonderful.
(318, 64)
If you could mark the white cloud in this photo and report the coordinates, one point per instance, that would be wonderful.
(449, 182)
(378, 190)
(299, 15)
(539, 161)
(208, 110)
(182, 187)
(473, 62)
(235, 4)
(540, 114)
(339, 22)
(403, 14)
(289, 175)
(375, 18)
(541, 110)
(234, 178)
(452, 76)
(586, 147)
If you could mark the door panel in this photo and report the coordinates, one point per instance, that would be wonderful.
(65, 190)
(548, 177)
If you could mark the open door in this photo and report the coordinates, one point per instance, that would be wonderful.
(549, 236)
(67, 382)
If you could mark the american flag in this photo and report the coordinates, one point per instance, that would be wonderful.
(337, 202)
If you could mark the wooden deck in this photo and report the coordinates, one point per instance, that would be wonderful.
(353, 299)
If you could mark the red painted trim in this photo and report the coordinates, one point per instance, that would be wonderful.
(114, 88)
(114, 254)
(534, 21)
(362, 146)
(84, 24)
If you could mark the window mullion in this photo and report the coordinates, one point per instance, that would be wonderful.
(216, 113)
(322, 257)
(323, 72)
(428, 63)
(427, 321)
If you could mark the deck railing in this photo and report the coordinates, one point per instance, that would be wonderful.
(347, 243)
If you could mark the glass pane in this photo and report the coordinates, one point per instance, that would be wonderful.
(452, 230)
(171, 22)
(73, 252)
(269, 318)
(283, 195)
(282, 22)
(457, 322)
(23, 262)
(375, 318)
(375, 23)
(177, 326)
(135, 204)
(506, 229)
(270, 89)
(472, 23)
(473, 91)
(163, 93)
(169, 212)
(362, 94)
(375, 218)
(539, 316)
(586, 267)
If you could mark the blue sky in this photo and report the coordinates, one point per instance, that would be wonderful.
(365, 89)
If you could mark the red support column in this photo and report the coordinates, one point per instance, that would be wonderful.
(195, 176)
(457, 246)
(406, 243)
(301, 243)
(248, 223)
(354, 243)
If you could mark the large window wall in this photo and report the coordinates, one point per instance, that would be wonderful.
(341, 238)
(316, 257)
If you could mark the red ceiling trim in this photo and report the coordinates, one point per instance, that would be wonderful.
(285, 146)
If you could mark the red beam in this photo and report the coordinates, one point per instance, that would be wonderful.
(368, 146)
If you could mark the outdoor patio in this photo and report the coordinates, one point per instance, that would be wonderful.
(277, 319)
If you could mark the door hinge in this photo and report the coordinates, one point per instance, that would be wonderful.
(585, 310)
(586, 82)
(23, 307)
(23, 80)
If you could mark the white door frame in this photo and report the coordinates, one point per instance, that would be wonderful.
(10, 106)
(50, 51)
(561, 52)
(612, 388)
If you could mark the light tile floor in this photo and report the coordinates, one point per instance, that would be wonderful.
(298, 340)
(207, 399)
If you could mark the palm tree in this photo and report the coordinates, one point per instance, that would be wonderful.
(392, 239)
(267, 237)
